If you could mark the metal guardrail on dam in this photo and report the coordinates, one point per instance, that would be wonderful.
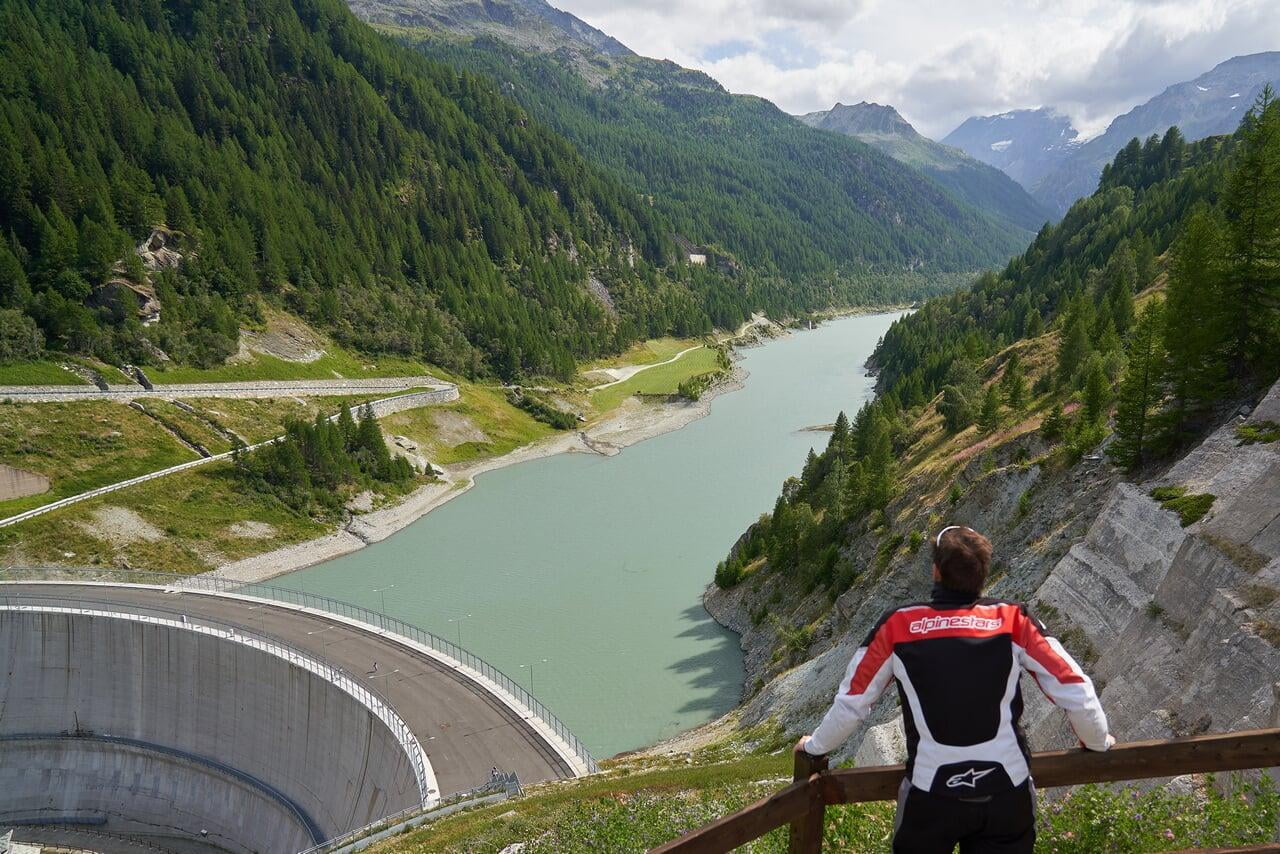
(379, 706)
(391, 625)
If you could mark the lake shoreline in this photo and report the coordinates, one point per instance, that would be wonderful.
(633, 422)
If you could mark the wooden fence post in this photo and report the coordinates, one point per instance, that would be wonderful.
(806, 831)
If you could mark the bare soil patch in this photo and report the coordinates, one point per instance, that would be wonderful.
(454, 428)
(251, 530)
(120, 526)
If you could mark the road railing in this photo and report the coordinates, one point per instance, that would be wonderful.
(536, 711)
(803, 804)
(377, 705)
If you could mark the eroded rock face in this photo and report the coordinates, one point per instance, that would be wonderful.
(1184, 621)
(161, 250)
(1180, 627)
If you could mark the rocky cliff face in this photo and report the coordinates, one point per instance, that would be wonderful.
(1179, 626)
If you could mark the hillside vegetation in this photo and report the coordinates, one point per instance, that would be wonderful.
(639, 802)
(735, 173)
(1164, 285)
(285, 155)
(402, 205)
(985, 187)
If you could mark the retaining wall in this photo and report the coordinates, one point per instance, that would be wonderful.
(222, 737)
(247, 389)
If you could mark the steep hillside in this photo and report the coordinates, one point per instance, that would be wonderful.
(1213, 103)
(528, 24)
(1106, 410)
(731, 173)
(1024, 144)
(985, 187)
(297, 156)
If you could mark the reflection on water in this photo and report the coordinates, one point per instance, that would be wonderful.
(580, 576)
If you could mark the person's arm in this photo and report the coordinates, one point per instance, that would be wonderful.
(868, 674)
(1062, 681)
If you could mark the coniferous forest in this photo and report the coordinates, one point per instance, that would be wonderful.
(1158, 298)
(300, 159)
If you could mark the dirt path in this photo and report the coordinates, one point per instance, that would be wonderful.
(621, 375)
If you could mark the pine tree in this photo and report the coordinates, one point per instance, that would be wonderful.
(989, 417)
(1054, 426)
(1097, 391)
(1195, 333)
(1013, 385)
(1253, 226)
(1141, 389)
(955, 408)
(347, 426)
(1075, 347)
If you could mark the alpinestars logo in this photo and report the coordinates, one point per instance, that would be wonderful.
(924, 625)
(969, 778)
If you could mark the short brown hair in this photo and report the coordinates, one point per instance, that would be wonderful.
(963, 557)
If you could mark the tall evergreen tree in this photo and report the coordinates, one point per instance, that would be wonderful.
(1142, 389)
(1195, 317)
(1252, 206)
(1013, 384)
(989, 417)
(1097, 391)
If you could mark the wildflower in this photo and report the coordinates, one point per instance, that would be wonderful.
(1168, 834)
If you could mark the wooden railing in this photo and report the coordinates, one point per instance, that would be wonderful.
(803, 804)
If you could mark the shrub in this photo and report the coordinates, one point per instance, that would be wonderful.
(728, 574)
(544, 412)
(1190, 508)
(1093, 818)
(1262, 432)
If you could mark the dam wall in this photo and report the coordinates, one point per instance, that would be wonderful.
(195, 740)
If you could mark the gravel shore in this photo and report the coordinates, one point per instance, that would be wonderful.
(634, 421)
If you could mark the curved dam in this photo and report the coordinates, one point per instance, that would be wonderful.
(156, 730)
(200, 722)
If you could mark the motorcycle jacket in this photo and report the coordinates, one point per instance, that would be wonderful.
(957, 661)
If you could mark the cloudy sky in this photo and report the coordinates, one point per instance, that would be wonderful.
(940, 61)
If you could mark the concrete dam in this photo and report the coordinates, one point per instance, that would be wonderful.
(145, 718)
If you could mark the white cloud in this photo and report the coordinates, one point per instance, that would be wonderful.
(939, 63)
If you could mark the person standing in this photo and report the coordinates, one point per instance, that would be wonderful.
(957, 660)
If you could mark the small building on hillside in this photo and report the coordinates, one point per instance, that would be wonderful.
(698, 258)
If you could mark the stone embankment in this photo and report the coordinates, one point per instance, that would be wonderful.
(248, 389)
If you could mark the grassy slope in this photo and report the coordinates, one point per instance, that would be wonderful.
(333, 364)
(480, 408)
(193, 514)
(81, 446)
(643, 353)
(662, 379)
(637, 804)
(37, 373)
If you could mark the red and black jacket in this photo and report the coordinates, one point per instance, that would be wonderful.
(957, 662)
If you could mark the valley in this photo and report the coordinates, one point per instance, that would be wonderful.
(399, 394)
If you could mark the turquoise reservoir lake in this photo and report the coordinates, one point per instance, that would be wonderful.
(581, 576)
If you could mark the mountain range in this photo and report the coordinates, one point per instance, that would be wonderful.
(1040, 149)
(733, 174)
(1024, 144)
(982, 185)
(454, 209)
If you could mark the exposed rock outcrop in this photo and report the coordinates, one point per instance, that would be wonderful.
(1179, 626)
